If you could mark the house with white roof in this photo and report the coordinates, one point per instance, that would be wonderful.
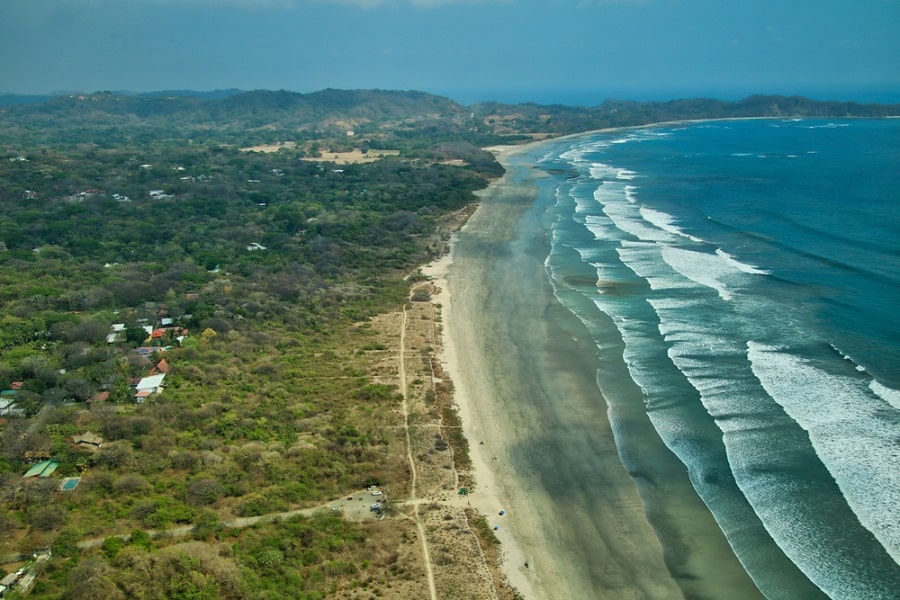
(152, 384)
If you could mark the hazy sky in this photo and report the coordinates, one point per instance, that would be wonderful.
(543, 50)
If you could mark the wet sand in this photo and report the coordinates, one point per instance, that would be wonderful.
(524, 372)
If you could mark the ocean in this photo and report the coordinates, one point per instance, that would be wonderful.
(740, 283)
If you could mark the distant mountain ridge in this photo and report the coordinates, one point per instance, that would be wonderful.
(17, 99)
(264, 115)
(380, 103)
(626, 113)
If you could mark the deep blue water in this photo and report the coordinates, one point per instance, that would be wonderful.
(748, 275)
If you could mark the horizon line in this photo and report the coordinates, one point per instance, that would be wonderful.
(559, 96)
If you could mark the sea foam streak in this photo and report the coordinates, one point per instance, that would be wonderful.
(846, 425)
(889, 395)
(660, 219)
(706, 269)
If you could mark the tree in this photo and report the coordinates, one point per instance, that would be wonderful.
(114, 454)
(111, 546)
(48, 518)
(203, 490)
(78, 388)
(29, 402)
(92, 579)
(91, 331)
(207, 524)
(65, 544)
(135, 334)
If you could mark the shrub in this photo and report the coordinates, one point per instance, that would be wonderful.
(204, 490)
(65, 544)
(111, 546)
(48, 518)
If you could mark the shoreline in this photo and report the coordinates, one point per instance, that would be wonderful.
(540, 434)
(535, 556)
(487, 497)
(506, 150)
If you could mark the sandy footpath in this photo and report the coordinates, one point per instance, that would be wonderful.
(589, 539)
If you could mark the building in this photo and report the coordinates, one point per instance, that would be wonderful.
(88, 440)
(152, 384)
(42, 469)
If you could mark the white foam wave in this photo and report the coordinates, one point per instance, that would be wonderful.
(572, 157)
(602, 228)
(828, 126)
(889, 395)
(658, 133)
(630, 194)
(602, 171)
(666, 222)
(583, 205)
(577, 154)
(643, 258)
(706, 269)
(848, 431)
(633, 136)
(848, 358)
(626, 216)
(743, 267)
(713, 363)
(640, 348)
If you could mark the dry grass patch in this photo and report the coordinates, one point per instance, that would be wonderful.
(267, 148)
(354, 156)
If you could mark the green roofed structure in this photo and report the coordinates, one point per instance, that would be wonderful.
(42, 469)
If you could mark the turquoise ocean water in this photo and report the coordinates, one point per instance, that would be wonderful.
(746, 277)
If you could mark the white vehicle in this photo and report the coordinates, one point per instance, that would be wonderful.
(376, 492)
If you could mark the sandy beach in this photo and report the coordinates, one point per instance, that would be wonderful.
(574, 522)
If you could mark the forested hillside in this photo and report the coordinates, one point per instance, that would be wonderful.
(244, 279)
(535, 118)
(384, 119)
